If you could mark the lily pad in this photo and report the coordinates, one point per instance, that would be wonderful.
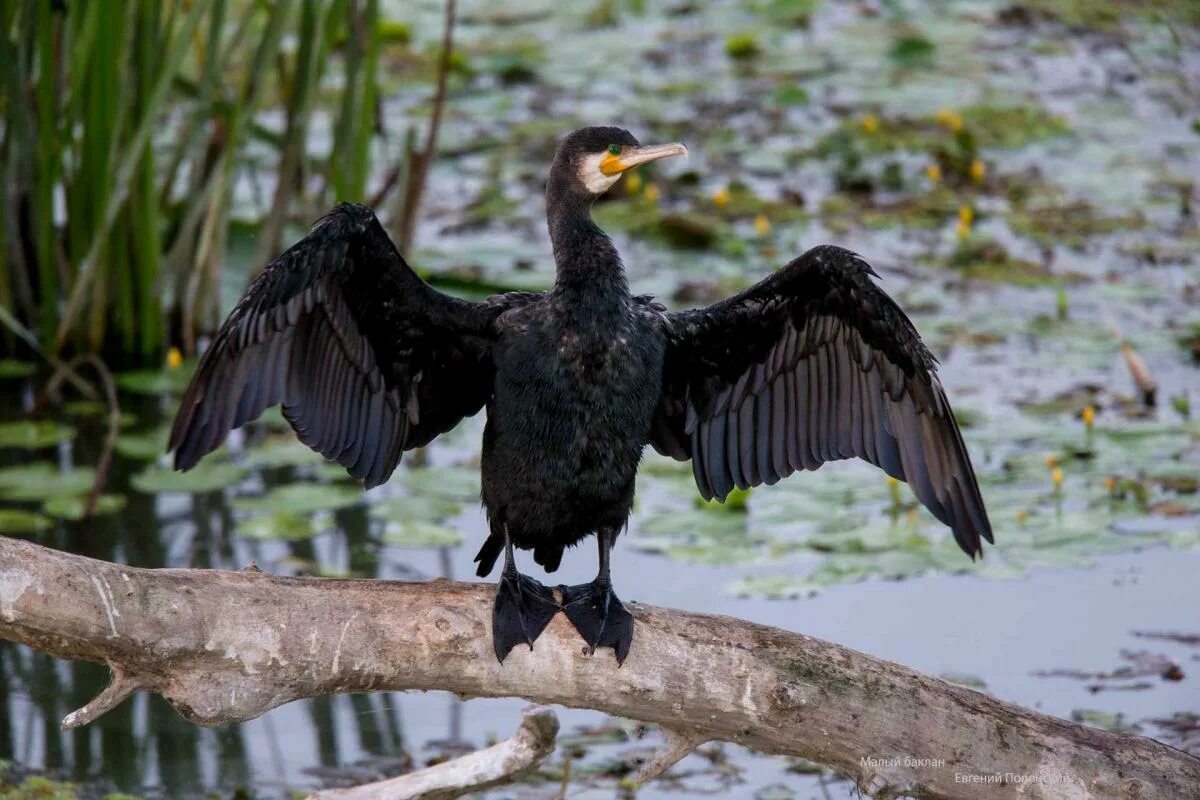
(207, 476)
(455, 483)
(73, 507)
(15, 521)
(34, 434)
(11, 369)
(416, 507)
(284, 451)
(155, 382)
(144, 445)
(775, 587)
(42, 481)
(414, 533)
(300, 498)
(281, 525)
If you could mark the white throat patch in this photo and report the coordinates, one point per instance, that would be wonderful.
(590, 175)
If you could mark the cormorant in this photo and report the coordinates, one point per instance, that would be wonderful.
(815, 363)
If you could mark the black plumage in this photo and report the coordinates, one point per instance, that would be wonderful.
(813, 364)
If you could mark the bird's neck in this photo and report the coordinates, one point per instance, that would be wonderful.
(588, 266)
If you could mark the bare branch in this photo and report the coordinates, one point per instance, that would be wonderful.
(493, 766)
(419, 163)
(680, 745)
(228, 646)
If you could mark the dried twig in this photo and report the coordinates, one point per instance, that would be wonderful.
(418, 162)
(114, 417)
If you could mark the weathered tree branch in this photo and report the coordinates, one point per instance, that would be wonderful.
(473, 772)
(228, 646)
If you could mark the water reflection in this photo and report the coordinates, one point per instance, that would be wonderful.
(144, 746)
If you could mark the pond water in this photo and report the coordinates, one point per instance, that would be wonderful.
(1070, 138)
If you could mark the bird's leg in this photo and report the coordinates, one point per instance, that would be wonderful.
(595, 610)
(523, 607)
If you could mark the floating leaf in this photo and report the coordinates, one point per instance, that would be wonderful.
(15, 521)
(458, 483)
(144, 445)
(156, 381)
(207, 476)
(284, 451)
(73, 507)
(283, 525)
(42, 481)
(410, 507)
(11, 369)
(33, 434)
(301, 498)
(964, 679)
(414, 533)
(1105, 720)
(775, 587)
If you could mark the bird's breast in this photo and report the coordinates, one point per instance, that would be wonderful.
(576, 402)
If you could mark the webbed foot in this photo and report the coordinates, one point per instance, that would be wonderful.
(599, 616)
(522, 611)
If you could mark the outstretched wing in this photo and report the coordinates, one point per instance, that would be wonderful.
(814, 364)
(367, 359)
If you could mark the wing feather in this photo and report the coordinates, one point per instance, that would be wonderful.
(814, 364)
(366, 359)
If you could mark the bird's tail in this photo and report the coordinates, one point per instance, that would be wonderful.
(487, 555)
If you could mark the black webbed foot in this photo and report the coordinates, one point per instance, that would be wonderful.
(599, 616)
(522, 611)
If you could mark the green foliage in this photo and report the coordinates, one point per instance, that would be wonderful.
(742, 46)
(34, 434)
(88, 93)
(912, 50)
(209, 475)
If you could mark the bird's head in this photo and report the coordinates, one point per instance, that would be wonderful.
(592, 159)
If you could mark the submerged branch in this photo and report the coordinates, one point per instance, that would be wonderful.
(474, 772)
(228, 646)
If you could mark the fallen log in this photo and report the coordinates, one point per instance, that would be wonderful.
(226, 646)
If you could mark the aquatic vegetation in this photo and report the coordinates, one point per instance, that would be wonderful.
(1074, 224)
(41, 481)
(34, 434)
(16, 521)
(976, 126)
(742, 46)
(213, 475)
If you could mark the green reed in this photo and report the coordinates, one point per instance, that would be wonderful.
(124, 129)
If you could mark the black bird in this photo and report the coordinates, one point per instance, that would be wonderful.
(813, 364)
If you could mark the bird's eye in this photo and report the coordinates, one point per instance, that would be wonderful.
(614, 149)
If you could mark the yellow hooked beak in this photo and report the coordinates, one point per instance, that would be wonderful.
(630, 157)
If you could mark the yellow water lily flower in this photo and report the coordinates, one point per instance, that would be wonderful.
(174, 358)
(869, 123)
(950, 119)
(977, 171)
(934, 173)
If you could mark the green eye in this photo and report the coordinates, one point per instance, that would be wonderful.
(614, 149)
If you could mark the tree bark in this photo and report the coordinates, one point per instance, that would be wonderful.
(228, 646)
